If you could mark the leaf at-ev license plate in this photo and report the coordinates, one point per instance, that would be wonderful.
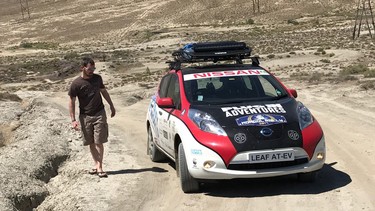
(266, 157)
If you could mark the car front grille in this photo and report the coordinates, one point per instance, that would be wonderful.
(255, 166)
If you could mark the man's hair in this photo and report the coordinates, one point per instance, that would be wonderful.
(86, 61)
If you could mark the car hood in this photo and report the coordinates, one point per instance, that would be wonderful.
(258, 125)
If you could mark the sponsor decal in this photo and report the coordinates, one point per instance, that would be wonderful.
(228, 73)
(152, 110)
(293, 135)
(196, 152)
(253, 109)
(260, 120)
(240, 138)
(195, 163)
(165, 134)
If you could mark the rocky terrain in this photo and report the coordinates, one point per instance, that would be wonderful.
(306, 44)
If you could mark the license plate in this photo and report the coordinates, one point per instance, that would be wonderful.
(274, 156)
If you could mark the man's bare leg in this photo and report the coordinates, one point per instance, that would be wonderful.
(95, 156)
(100, 150)
(97, 152)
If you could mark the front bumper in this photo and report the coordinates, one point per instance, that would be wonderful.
(204, 163)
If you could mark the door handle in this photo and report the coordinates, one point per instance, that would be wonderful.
(160, 113)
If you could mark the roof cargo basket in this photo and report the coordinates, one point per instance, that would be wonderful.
(212, 51)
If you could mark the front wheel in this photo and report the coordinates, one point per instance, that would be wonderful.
(188, 183)
(152, 150)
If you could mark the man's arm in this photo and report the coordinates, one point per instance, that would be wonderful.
(72, 112)
(108, 99)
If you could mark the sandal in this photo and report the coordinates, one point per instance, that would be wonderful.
(93, 171)
(102, 174)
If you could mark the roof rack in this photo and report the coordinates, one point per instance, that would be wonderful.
(212, 51)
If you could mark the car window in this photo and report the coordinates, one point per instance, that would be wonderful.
(214, 89)
(174, 90)
(163, 88)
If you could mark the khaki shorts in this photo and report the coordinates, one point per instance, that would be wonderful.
(94, 128)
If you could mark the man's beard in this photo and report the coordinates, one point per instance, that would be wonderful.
(89, 74)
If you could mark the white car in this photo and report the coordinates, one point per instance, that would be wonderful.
(226, 121)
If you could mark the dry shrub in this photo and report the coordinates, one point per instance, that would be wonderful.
(368, 85)
(8, 96)
(325, 60)
(310, 77)
(369, 73)
(315, 77)
(342, 78)
(271, 56)
(293, 22)
(39, 45)
(354, 69)
(299, 76)
(54, 69)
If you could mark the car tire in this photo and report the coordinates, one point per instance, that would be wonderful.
(153, 151)
(307, 177)
(188, 183)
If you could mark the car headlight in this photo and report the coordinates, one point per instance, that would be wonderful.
(304, 116)
(206, 122)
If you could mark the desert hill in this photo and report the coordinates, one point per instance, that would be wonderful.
(66, 21)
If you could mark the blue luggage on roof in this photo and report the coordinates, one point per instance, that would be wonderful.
(212, 51)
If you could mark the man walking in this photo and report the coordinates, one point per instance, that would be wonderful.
(89, 88)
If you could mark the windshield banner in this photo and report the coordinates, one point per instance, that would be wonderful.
(227, 73)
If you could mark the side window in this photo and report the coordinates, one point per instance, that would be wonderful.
(163, 88)
(174, 90)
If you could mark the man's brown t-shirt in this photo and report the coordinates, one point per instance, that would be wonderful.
(88, 93)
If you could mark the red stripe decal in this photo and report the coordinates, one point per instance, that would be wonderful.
(311, 137)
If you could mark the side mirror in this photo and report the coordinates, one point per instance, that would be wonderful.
(293, 92)
(165, 102)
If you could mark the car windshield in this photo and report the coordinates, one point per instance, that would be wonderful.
(228, 87)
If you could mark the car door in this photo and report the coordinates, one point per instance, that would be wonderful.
(162, 131)
(168, 116)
